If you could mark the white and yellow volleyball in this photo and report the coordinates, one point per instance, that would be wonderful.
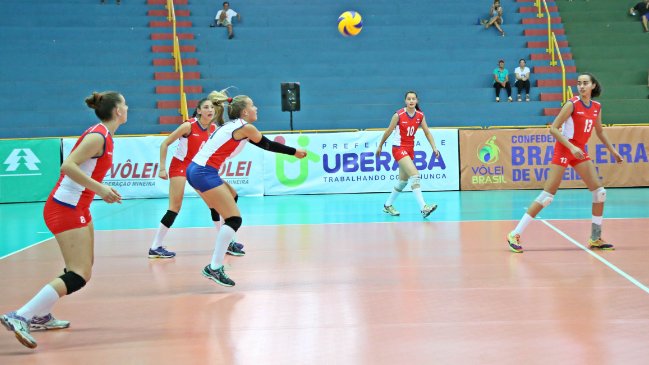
(350, 23)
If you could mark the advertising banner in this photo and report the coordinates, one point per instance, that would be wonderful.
(136, 163)
(29, 169)
(520, 158)
(346, 163)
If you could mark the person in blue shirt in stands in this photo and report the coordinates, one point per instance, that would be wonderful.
(501, 81)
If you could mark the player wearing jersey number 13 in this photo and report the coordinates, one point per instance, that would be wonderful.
(403, 127)
(578, 117)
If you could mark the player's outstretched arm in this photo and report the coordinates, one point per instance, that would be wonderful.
(255, 137)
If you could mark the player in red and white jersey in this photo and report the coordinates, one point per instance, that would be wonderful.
(203, 175)
(67, 215)
(578, 117)
(403, 127)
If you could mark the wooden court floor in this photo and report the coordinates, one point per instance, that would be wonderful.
(405, 291)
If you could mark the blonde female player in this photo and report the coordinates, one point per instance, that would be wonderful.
(403, 127)
(191, 136)
(203, 174)
(579, 116)
(67, 215)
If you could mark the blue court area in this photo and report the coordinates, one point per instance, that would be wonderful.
(22, 224)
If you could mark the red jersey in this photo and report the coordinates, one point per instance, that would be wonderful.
(579, 125)
(407, 125)
(190, 144)
(70, 193)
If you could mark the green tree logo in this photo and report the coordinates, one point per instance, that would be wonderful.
(281, 160)
(489, 152)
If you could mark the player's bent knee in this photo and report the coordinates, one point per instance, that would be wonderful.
(169, 218)
(233, 222)
(544, 198)
(599, 195)
(401, 185)
(415, 181)
(73, 281)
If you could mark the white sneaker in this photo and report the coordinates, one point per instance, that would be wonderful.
(391, 210)
(47, 322)
(428, 209)
(17, 324)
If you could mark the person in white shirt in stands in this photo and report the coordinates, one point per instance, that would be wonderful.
(224, 17)
(522, 79)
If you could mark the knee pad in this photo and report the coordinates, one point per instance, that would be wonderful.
(169, 218)
(599, 195)
(72, 281)
(415, 181)
(233, 222)
(544, 198)
(400, 185)
(215, 215)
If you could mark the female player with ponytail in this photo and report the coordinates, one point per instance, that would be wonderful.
(191, 136)
(203, 175)
(67, 216)
(403, 127)
(572, 129)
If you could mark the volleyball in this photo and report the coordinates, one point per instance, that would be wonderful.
(350, 23)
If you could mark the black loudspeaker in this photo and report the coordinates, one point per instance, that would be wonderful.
(290, 96)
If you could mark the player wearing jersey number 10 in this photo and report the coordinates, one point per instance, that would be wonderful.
(403, 127)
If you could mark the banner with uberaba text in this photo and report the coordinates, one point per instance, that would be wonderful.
(520, 158)
(134, 172)
(346, 163)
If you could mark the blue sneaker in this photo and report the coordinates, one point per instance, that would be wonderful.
(235, 250)
(20, 327)
(161, 253)
(218, 276)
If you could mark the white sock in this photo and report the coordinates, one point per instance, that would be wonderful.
(419, 197)
(598, 220)
(159, 236)
(522, 224)
(223, 239)
(41, 304)
(393, 196)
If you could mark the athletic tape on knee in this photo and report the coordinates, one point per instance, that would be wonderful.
(233, 222)
(544, 198)
(215, 215)
(401, 185)
(415, 181)
(599, 195)
(169, 218)
(72, 281)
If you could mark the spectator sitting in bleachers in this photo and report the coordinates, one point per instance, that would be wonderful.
(224, 17)
(642, 9)
(522, 73)
(501, 81)
(495, 17)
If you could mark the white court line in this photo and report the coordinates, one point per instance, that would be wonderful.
(600, 258)
(24, 248)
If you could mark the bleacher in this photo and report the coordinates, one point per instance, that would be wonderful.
(611, 44)
(54, 54)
